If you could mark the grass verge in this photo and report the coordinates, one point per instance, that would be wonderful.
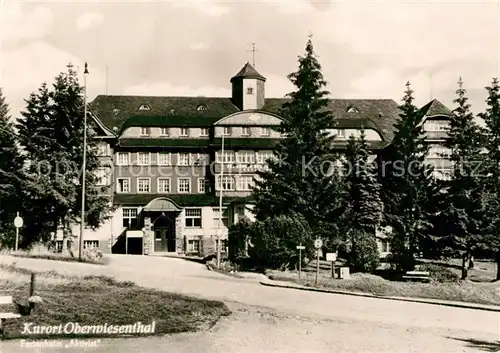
(59, 257)
(102, 300)
(480, 293)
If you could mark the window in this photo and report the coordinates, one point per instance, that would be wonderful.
(262, 157)
(144, 107)
(90, 244)
(384, 245)
(249, 90)
(201, 185)
(163, 158)
(103, 176)
(143, 185)
(184, 186)
(264, 131)
(123, 185)
(193, 217)
(437, 125)
(198, 159)
(103, 149)
(227, 182)
(193, 246)
(245, 182)
(240, 211)
(223, 243)
(352, 110)
(129, 217)
(245, 131)
(226, 131)
(229, 157)
(204, 131)
(439, 152)
(184, 131)
(224, 217)
(202, 107)
(163, 185)
(246, 157)
(122, 158)
(145, 131)
(164, 131)
(341, 133)
(59, 246)
(143, 158)
(183, 159)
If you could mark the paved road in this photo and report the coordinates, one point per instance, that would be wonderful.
(270, 319)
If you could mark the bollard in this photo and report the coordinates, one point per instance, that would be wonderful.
(32, 285)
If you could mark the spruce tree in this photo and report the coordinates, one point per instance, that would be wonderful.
(11, 164)
(299, 179)
(492, 119)
(463, 208)
(51, 133)
(408, 185)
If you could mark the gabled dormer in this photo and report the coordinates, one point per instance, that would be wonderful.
(248, 88)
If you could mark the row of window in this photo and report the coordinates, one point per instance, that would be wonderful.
(87, 244)
(194, 245)
(165, 158)
(164, 185)
(145, 107)
(192, 217)
(205, 131)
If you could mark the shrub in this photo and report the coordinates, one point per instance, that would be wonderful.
(364, 255)
(439, 273)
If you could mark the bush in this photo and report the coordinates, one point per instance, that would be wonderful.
(439, 273)
(364, 256)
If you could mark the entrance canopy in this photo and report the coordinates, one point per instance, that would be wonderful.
(162, 204)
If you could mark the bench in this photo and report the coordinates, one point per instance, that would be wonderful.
(6, 300)
(422, 276)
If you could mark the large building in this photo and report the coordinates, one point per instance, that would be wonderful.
(162, 159)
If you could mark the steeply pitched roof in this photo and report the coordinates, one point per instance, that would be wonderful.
(248, 71)
(435, 107)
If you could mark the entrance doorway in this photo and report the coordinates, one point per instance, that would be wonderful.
(164, 235)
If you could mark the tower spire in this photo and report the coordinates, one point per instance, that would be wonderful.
(253, 50)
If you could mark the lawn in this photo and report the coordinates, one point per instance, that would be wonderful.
(41, 252)
(102, 300)
(485, 292)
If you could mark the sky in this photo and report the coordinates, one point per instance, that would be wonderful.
(367, 49)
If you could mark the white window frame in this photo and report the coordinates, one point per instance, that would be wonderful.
(187, 216)
(202, 184)
(94, 244)
(226, 130)
(226, 177)
(182, 130)
(164, 131)
(191, 248)
(224, 216)
(262, 157)
(229, 157)
(249, 157)
(245, 131)
(145, 131)
(103, 149)
(103, 173)
(179, 186)
(179, 154)
(204, 131)
(265, 131)
(169, 158)
(139, 162)
(341, 133)
(118, 185)
(169, 186)
(118, 162)
(138, 185)
(130, 218)
(247, 186)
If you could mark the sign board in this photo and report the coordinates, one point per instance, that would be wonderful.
(318, 243)
(18, 222)
(301, 247)
(331, 256)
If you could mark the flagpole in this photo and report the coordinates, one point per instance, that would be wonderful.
(82, 221)
(221, 187)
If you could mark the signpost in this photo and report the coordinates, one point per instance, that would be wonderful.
(318, 243)
(332, 257)
(300, 248)
(18, 223)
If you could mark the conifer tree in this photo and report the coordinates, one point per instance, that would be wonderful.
(492, 120)
(299, 179)
(463, 207)
(11, 163)
(408, 185)
(51, 133)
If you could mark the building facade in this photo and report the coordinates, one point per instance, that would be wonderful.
(166, 160)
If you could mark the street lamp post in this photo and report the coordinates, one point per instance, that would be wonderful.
(221, 187)
(82, 221)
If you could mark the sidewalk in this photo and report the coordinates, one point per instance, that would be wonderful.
(456, 304)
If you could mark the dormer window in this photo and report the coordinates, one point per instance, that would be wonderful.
(172, 111)
(201, 108)
(249, 90)
(116, 111)
(264, 131)
(226, 131)
(204, 131)
(245, 131)
(145, 131)
(341, 133)
(352, 110)
(144, 107)
(184, 131)
(164, 131)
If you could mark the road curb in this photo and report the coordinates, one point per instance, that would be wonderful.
(464, 305)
